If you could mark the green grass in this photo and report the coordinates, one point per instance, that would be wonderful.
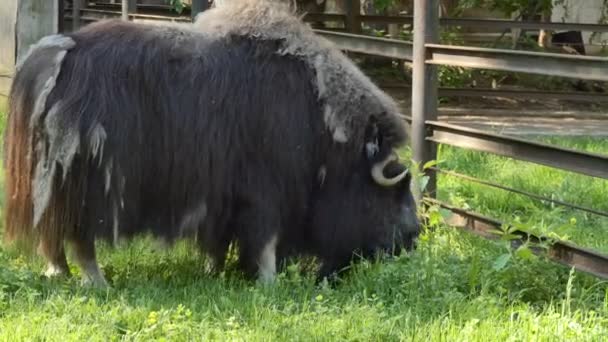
(455, 287)
(584, 229)
(448, 290)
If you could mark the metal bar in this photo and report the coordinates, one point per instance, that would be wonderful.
(520, 192)
(564, 253)
(60, 17)
(528, 94)
(424, 85)
(125, 10)
(590, 164)
(197, 7)
(160, 10)
(562, 65)
(388, 19)
(353, 16)
(107, 13)
(325, 17)
(128, 7)
(526, 25)
(369, 45)
(496, 24)
(76, 6)
(133, 6)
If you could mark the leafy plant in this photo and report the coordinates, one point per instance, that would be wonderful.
(177, 5)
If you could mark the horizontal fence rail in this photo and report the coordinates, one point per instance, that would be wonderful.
(527, 94)
(581, 67)
(376, 46)
(563, 252)
(496, 24)
(590, 164)
(520, 192)
(526, 25)
(550, 64)
(553, 64)
(90, 15)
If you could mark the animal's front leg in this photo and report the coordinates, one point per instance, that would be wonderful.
(57, 264)
(85, 257)
(258, 237)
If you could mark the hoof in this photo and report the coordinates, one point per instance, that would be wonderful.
(54, 271)
(266, 279)
(95, 282)
(93, 277)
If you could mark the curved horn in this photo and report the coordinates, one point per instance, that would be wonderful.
(378, 174)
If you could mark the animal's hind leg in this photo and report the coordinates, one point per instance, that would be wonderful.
(57, 264)
(217, 255)
(258, 239)
(85, 257)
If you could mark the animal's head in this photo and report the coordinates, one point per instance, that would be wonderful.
(370, 209)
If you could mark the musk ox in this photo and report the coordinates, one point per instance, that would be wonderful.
(243, 127)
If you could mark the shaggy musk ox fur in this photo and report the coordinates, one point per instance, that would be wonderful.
(243, 127)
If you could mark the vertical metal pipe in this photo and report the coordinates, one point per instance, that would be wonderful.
(198, 6)
(424, 85)
(76, 14)
(60, 16)
(125, 10)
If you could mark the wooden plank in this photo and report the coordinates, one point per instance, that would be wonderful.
(35, 19)
(5, 86)
(8, 20)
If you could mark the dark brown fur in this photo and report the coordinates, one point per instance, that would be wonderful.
(192, 119)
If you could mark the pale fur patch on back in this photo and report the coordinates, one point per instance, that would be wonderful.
(350, 95)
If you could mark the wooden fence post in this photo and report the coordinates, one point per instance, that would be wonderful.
(35, 19)
(8, 42)
(61, 17)
(23, 23)
(353, 16)
(424, 85)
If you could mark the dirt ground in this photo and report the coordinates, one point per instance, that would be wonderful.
(519, 116)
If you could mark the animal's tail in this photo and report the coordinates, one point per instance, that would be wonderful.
(18, 166)
(24, 148)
